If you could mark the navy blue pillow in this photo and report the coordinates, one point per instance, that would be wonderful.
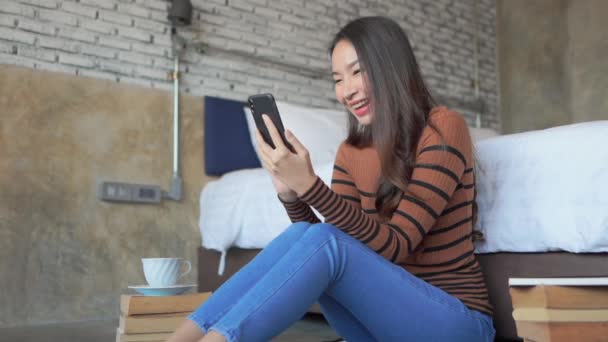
(227, 143)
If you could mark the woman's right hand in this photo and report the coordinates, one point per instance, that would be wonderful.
(285, 193)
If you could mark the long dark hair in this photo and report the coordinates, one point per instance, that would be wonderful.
(400, 103)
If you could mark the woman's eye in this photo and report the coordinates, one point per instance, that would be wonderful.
(356, 72)
(337, 81)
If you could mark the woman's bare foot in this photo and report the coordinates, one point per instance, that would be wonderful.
(187, 332)
(213, 336)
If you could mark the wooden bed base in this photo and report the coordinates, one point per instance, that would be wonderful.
(498, 268)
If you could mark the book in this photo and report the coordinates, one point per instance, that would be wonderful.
(550, 294)
(560, 297)
(562, 331)
(580, 281)
(139, 305)
(149, 337)
(156, 323)
(560, 315)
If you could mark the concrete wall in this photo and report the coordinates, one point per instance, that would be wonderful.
(251, 45)
(588, 59)
(552, 64)
(64, 254)
(85, 98)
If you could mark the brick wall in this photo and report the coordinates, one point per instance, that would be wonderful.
(251, 46)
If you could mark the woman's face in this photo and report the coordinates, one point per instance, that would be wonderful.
(350, 81)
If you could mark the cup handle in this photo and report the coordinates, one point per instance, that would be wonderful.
(188, 270)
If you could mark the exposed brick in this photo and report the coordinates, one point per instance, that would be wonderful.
(8, 20)
(97, 51)
(20, 9)
(105, 4)
(36, 26)
(242, 5)
(159, 16)
(261, 3)
(115, 17)
(98, 26)
(55, 67)
(150, 49)
(150, 25)
(142, 71)
(76, 34)
(253, 45)
(116, 67)
(7, 48)
(79, 9)
(281, 6)
(18, 60)
(135, 34)
(267, 12)
(17, 35)
(134, 10)
(114, 42)
(155, 4)
(76, 60)
(42, 3)
(36, 53)
(59, 44)
(57, 17)
(136, 58)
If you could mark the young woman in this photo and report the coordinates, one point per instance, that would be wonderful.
(394, 259)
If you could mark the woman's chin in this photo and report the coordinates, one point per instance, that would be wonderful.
(365, 120)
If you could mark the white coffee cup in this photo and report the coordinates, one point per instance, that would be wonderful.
(164, 272)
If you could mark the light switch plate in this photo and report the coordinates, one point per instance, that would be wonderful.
(129, 192)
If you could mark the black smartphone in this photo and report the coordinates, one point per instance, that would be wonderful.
(265, 104)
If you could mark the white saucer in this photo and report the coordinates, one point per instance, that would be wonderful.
(173, 290)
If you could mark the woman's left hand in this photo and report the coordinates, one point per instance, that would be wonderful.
(293, 169)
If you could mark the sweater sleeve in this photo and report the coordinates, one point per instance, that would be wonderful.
(299, 211)
(341, 183)
(440, 165)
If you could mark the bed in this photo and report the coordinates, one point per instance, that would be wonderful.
(523, 248)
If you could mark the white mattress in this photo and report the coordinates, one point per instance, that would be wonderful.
(545, 190)
(242, 209)
(537, 191)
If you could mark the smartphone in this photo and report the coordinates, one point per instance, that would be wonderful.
(264, 104)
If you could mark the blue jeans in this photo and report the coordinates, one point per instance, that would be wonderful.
(363, 296)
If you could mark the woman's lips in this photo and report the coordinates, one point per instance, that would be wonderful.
(361, 111)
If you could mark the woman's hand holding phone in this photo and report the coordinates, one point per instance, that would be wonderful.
(292, 173)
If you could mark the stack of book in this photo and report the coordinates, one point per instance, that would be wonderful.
(560, 309)
(154, 318)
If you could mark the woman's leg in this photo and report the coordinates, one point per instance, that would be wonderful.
(343, 321)
(231, 291)
(389, 302)
(377, 297)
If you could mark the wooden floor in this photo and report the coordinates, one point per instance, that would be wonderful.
(312, 328)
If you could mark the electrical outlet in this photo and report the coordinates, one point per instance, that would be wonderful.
(129, 192)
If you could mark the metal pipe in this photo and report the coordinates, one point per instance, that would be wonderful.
(176, 116)
(175, 191)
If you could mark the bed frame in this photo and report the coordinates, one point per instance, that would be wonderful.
(497, 267)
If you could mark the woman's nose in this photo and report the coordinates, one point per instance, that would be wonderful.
(349, 89)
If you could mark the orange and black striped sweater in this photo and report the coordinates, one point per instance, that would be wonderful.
(430, 232)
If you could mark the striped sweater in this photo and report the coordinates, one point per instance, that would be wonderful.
(430, 232)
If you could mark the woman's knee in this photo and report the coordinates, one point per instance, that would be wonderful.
(297, 228)
(322, 229)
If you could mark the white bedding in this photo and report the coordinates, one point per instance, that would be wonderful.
(537, 191)
(545, 190)
(242, 209)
